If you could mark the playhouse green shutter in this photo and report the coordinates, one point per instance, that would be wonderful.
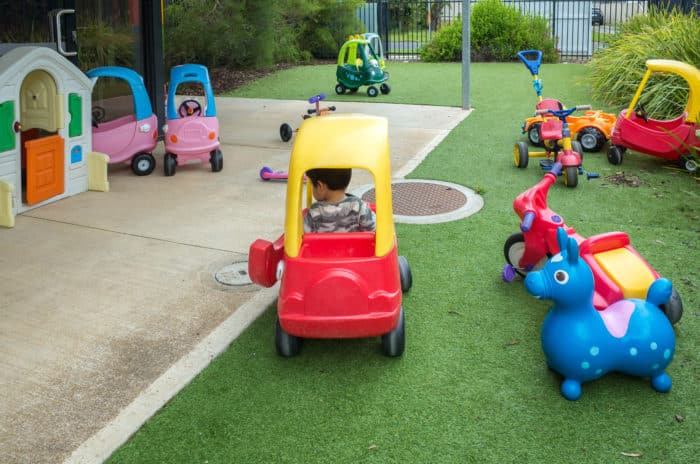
(7, 133)
(75, 108)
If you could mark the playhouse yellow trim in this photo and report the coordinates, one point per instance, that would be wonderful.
(341, 141)
(7, 215)
(625, 270)
(97, 172)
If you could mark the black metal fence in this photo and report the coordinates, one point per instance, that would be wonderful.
(579, 27)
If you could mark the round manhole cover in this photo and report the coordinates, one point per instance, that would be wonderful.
(234, 274)
(417, 201)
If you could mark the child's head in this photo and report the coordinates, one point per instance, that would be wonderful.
(329, 184)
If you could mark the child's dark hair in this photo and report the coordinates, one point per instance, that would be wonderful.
(335, 179)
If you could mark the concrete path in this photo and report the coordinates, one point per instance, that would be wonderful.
(109, 303)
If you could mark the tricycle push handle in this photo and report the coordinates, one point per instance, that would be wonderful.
(527, 221)
(316, 98)
(532, 63)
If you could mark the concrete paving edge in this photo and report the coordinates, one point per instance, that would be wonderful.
(100, 446)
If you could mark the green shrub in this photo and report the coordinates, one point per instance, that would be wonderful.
(498, 33)
(617, 70)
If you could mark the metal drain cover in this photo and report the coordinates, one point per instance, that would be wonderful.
(234, 274)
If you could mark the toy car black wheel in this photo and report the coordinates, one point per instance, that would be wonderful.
(615, 155)
(688, 163)
(339, 89)
(216, 159)
(405, 274)
(385, 88)
(287, 345)
(674, 308)
(169, 164)
(372, 91)
(513, 250)
(143, 164)
(286, 132)
(570, 175)
(394, 342)
(533, 135)
(520, 155)
(591, 138)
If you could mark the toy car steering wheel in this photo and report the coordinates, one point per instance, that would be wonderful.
(189, 107)
(98, 115)
(640, 112)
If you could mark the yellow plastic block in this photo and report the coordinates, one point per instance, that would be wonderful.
(627, 271)
(7, 214)
(97, 172)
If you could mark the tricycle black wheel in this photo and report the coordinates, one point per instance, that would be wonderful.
(591, 138)
(570, 175)
(513, 250)
(287, 345)
(520, 155)
(286, 132)
(405, 274)
(143, 164)
(533, 135)
(385, 88)
(615, 155)
(216, 159)
(674, 308)
(169, 164)
(372, 91)
(394, 342)
(578, 148)
(339, 89)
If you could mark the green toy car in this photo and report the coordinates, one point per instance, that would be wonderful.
(359, 65)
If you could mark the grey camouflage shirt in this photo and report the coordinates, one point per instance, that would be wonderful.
(348, 215)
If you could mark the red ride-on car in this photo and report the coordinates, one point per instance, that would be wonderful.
(676, 139)
(336, 285)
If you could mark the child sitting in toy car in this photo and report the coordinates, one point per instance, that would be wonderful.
(334, 209)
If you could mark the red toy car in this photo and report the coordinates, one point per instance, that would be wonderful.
(676, 139)
(336, 285)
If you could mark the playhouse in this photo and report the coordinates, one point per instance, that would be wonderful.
(45, 132)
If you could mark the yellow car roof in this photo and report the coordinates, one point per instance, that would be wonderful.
(690, 73)
(341, 141)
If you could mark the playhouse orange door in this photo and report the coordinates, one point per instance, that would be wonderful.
(45, 159)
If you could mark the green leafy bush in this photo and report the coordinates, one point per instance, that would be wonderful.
(617, 70)
(498, 33)
(256, 34)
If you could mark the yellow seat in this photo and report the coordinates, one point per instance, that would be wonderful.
(626, 270)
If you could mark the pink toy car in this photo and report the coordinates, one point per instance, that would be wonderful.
(192, 129)
(123, 124)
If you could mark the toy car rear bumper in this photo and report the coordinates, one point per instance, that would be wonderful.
(372, 324)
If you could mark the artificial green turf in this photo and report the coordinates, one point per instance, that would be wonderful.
(472, 385)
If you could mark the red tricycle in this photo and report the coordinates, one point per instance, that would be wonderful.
(619, 271)
(676, 139)
(336, 284)
(286, 132)
(592, 129)
(559, 147)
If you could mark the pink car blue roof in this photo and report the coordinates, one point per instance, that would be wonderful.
(190, 73)
(142, 103)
